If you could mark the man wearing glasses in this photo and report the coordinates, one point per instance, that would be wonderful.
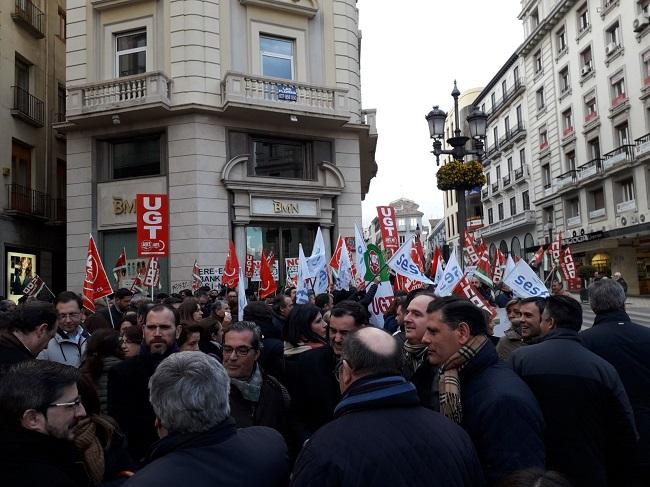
(39, 408)
(68, 346)
(256, 398)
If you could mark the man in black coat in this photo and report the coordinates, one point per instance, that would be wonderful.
(200, 445)
(626, 346)
(114, 314)
(480, 392)
(273, 347)
(39, 409)
(128, 382)
(590, 435)
(381, 435)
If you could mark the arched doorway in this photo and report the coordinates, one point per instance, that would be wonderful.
(529, 243)
(493, 251)
(503, 247)
(515, 247)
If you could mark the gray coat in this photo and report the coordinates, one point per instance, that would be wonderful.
(65, 351)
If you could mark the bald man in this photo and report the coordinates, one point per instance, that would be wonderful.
(380, 413)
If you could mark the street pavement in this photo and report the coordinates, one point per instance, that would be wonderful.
(638, 314)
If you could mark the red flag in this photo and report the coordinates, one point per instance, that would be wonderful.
(556, 248)
(138, 285)
(499, 262)
(419, 250)
(230, 276)
(483, 271)
(336, 255)
(268, 285)
(249, 269)
(470, 248)
(437, 255)
(568, 268)
(196, 276)
(537, 258)
(119, 271)
(152, 278)
(465, 289)
(96, 283)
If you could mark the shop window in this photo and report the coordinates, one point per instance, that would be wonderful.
(131, 53)
(601, 263)
(130, 158)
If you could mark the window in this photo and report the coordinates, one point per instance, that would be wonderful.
(402, 239)
(487, 179)
(627, 190)
(413, 223)
(490, 216)
(560, 39)
(622, 134)
(130, 158)
(495, 132)
(613, 37)
(519, 116)
(281, 158)
(22, 75)
(565, 83)
(277, 57)
(597, 200)
(567, 122)
(498, 169)
(645, 67)
(537, 59)
(546, 176)
(60, 114)
(62, 31)
(21, 171)
(543, 138)
(573, 208)
(506, 122)
(583, 18)
(534, 19)
(525, 200)
(515, 74)
(500, 211)
(618, 89)
(548, 214)
(513, 206)
(591, 110)
(586, 63)
(509, 165)
(131, 53)
(504, 89)
(539, 96)
(493, 100)
(570, 160)
(522, 157)
(593, 148)
(401, 224)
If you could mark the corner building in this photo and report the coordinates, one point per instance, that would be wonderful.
(247, 113)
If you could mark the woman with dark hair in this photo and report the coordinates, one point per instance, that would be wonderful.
(103, 351)
(96, 322)
(188, 340)
(190, 311)
(131, 341)
(130, 319)
(309, 369)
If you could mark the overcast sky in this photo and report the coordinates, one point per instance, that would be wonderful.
(411, 53)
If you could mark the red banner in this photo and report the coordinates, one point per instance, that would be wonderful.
(536, 260)
(196, 276)
(336, 255)
(464, 289)
(499, 262)
(250, 266)
(268, 286)
(153, 225)
(568, 268)
(152, 278)
(386, 217)
(556, 247)
(230, 276)
(96, 283)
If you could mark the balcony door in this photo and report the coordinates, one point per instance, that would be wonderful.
(21, 165)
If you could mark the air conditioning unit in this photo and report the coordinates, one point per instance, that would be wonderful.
(641, 218)
(621, 221)
(610, 48)
(586, 69)
(641, 22)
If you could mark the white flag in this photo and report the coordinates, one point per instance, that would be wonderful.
(241, 295)
(524, 282)
(344, 278)
(302, 296)
(359, 249)
(451, 277)
(440, 270)
(317, 263)
(380, 304)
(510, 266)
(402, 263)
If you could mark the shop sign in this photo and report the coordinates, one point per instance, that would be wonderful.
(580, 237)
(283, 207)
(21, 269)
(116, 202)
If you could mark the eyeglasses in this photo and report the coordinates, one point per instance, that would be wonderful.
(68, 405)
(72, 316)
(241, 351)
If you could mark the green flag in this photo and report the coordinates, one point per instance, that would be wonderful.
(375, 264)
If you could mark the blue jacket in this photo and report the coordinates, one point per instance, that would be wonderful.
(501, 415)
(381, 436)
(626, 346)
(590, 435)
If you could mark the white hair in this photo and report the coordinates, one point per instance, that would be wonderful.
(606, 295)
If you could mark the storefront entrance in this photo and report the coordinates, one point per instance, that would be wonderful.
(281, 240)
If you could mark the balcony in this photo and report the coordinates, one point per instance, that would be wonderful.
(491, 150)
(506, 180)
(567, 179)
(574, 221)
(599, 213)
(526, 217)
(642, 146)
(590, 169)
(620, 155)
(30, 17)
(590, 117)
(521, 173)
(22, 201)
(257, 94)
(567, 133)
(511, 92)
(484, 193)
(147, 90)
(495, 188)
(474, 223)
(624, 206)
(548, 190)
(27, 107)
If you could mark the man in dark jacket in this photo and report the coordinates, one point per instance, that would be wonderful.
(114, 314)
(273, 347)
(27, 332)
(200, 444)
(480, 392)
(39, 409)
(128, 382)
(379, 417)
(590, 435)
(282, 306)
(625, 345)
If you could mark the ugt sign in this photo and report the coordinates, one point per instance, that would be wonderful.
(153, 225)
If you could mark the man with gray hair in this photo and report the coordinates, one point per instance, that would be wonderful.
(380, 415)
(625, 345)
(200, 444)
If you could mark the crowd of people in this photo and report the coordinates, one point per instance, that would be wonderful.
(175, 391)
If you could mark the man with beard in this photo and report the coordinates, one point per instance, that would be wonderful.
(128, 382)
(39, 408)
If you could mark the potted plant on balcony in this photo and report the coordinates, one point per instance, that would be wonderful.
(585, 272)
(460, 175)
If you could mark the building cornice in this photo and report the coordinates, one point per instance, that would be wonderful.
(493, 82)
(549, 22)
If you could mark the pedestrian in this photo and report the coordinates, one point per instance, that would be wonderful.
(511, 339)
(380, 434)
(345, 316)
(131, 341)
(272, 345)
(281, 306)
(392, 321)
(557, 288)
(531, 310)
(189, 312)
(114, 314)
(128, 382)
(590, 435)
(130, 319)
(324, 301)
(625, 345)
(39, 409)
(505, 295)
(619, 279)
(309, 370)
(68, 345)
(479, 392)
(189, 337)
(29, 330)
(103, 352)
(199, 443)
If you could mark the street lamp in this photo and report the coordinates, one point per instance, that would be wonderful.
(477, 123)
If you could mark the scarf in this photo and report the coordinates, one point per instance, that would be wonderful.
(250, 388)
(377, 392)
(86, 441)
(449, 382)
(413, 356)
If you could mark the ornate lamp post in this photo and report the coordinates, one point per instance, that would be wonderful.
(477, 124)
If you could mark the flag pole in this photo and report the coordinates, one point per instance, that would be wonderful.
(49, 290)
(109, 311)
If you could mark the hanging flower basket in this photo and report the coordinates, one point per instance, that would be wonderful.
(460, 175)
